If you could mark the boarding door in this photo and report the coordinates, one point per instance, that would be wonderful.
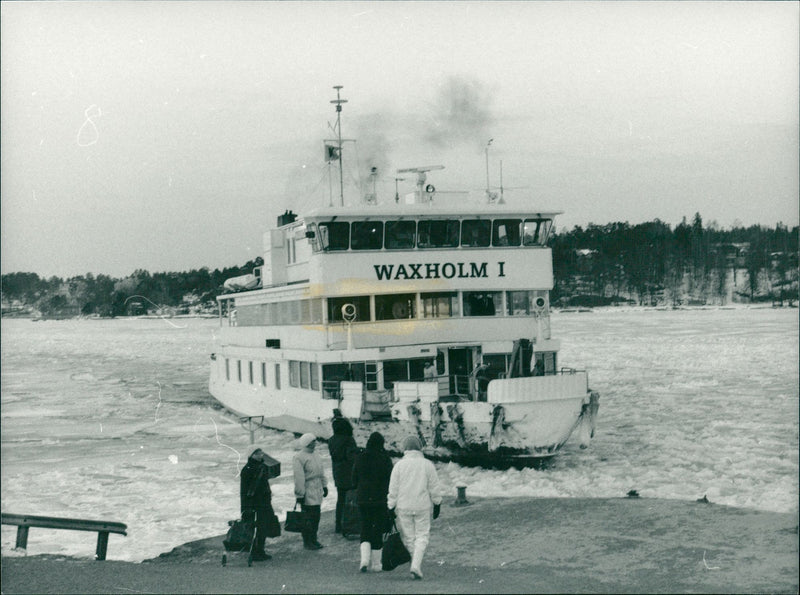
(459, 366)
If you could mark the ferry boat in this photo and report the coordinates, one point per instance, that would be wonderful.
(408, 317)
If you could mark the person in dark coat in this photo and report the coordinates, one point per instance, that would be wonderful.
(343, 449)
(256, 499)
(371, 474)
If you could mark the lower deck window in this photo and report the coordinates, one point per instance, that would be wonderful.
(395, 306)
(360, 302)
(482, 303)
(440, 305)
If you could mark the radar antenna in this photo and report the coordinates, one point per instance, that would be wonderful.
(423, 193)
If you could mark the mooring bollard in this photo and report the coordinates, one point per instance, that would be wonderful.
(461, 496)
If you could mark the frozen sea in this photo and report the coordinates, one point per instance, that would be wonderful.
(111, 419)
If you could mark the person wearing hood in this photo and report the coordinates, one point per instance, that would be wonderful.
(310, 487)
(256, 499)
(371, 473)
(342, 447)
(413, 494)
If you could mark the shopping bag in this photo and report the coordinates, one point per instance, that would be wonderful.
(273, 525)
(394, 553)
(295, 520)
(240, 536)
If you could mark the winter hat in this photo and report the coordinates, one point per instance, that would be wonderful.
(305, 440)
(412, 443)
(375, 441)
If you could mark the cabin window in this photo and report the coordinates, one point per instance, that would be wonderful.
(506, 232)
(438, 233)
(545, 363)
(227, 369)
(535, 232)
(294, 373)
(395, 306)
(361, 303)
(305, 374)
(315, 307)
(482, 303)
(263, 374)
(333, 374)
(520, 303)
(401, 370)
(366, 235)
(278, 376)
(334, 235)
(314, 371)
(476, 233)
(400, 235)
(250, 372)
(394, 371)
(440, 305)
(497, 364)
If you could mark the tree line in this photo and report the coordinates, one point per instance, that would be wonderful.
(651, 264)
(646, 264)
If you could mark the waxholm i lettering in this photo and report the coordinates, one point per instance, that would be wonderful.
(436, 270)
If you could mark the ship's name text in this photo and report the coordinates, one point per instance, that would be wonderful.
(436, 270)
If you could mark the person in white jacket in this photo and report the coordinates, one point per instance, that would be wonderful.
(310, 487)
(413, 494)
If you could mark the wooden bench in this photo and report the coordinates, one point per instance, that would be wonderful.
(24, 522)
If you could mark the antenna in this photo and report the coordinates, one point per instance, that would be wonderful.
(396, 190)
(420, 171)
(488, 195)
(339, 101)
(501, 201)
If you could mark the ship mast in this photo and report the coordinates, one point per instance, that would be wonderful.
(339, 101)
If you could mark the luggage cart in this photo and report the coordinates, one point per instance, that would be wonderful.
(240, 529)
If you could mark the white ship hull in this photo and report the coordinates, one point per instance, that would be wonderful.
(523, 419)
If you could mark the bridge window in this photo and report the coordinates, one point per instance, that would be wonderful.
(535, 232)
(476, 233)
(334, 235)
(294, 373)
(263, 374)
(366, 235)
(482, 303)
(506, 232)
(395, 306)
(440, 305)
(438, 233)
(400, 234)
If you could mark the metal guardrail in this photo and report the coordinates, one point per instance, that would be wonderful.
(103, 528)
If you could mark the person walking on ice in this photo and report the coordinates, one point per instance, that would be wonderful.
(414, 494)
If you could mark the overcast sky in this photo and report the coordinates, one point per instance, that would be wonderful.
(169, 135)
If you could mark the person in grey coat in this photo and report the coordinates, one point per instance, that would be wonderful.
(310, 487)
